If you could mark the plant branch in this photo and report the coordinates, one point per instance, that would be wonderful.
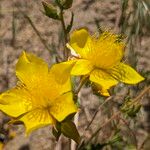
(65, 33)
(82, 82)
(37, 32)
(141, 94)
(108, 99)
(131, 132)
(144, 142)
(103, 125)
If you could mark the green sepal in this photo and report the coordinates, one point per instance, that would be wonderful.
(65, 4)
(68, 129)
(69, 117)
(50, 11)
(56, 130)
(56, 133)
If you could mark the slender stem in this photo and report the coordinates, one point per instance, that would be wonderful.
(143, 143)
(37, 32)
(76, 121)
(82, 82)
(141, 94)
(103, 125)
(131, 132)
(116, 115)
(108, 99)
(65, 33)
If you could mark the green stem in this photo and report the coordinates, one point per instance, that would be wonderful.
(108, 99)
(82, 82)
(130, 132)
(37, 32)
(146, 89)
(65, 33)
(106, 123)
(76, 92)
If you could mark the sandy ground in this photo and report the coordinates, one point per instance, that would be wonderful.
(16, 35)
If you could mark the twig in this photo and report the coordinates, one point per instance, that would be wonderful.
(87, 114)
(13, 29)
(37, 32)
(82, 82)
(131, 132)
(108, 99)
(65, 33)
(103, 125)
(118, 17)
(141, 94)
(143, 143)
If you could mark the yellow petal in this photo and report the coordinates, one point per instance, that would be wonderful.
(101, 90)
(36, 119)
(63, 106)
(31, 69)
(14, 102)
(61, 71)
(59, 76)
(103, 52)
(82, 67)
(102, 78)
(1, 145)
(126, 74)
(34, 73)
(104, 92)
(80, 42)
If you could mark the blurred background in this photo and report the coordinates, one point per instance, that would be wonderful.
(23, 26)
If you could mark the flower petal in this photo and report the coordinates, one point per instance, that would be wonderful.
(31, 69)
(63, 106)
(80, 42)
(59, 77)
(34, 73)
(14, 102)
(104, 92)
(82, 67)
(103, 52)
(36, 119)
(126, 74)
(98, 88)
(102, 78)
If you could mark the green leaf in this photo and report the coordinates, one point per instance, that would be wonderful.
(69, 117)
(69, 130)
(69, 27)
(65, 4)
(130, 108)
(50, 11)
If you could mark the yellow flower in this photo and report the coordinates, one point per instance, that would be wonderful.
(1, 146)
(41, 96)
(100, 59)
